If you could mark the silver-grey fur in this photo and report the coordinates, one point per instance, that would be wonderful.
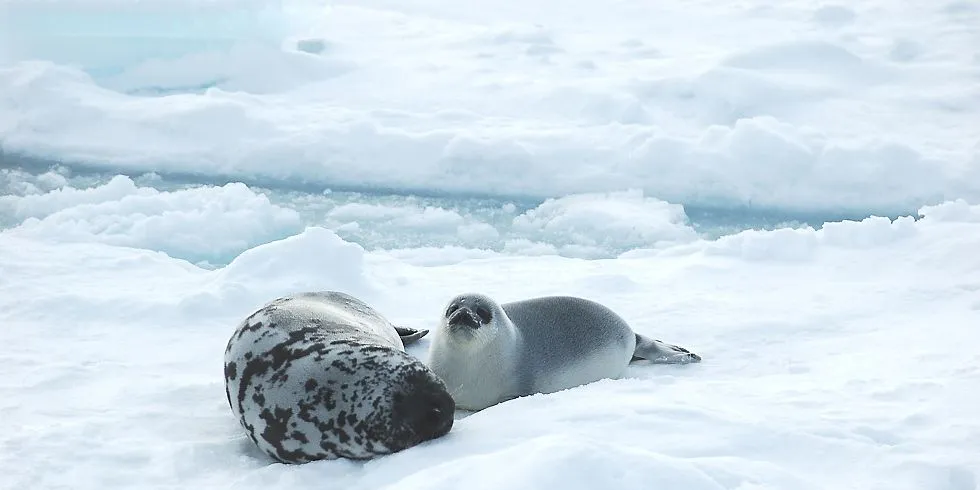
(321, 375)
(487, 353)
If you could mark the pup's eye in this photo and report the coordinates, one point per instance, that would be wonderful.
(484, 314)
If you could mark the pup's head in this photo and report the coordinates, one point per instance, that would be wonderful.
(471, 315)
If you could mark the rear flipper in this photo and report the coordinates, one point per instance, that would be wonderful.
(410, 335)
(659, 352)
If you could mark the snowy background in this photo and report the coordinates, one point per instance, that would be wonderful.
(790, 189)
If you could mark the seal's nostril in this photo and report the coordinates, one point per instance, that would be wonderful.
(464, 317)
(435, 417)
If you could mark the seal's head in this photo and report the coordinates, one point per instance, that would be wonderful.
(472, 316)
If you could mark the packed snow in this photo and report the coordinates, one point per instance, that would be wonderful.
(789, 189)
(822, 368)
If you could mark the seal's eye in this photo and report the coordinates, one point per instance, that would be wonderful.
(484, 314)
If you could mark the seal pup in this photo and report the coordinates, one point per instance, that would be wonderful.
(322, 375)
(487, 353)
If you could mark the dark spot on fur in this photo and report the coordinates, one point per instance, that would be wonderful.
(249, 326)
(341, 366)
(342, 436)
(231, 371)
(299, 436)
(280, 376)
(310, 385)
(275, 433)
(329, 447)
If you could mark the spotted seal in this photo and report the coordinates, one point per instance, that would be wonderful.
(322, 375)
(487, 353)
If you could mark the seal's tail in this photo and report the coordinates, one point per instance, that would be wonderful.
(659, 352)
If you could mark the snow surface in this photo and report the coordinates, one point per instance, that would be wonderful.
(167, 166)
(823, 368)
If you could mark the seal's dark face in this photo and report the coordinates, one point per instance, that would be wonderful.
(468, 312)
(421, 410)
(380, 400)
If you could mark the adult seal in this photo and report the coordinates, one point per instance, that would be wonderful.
(322, 375)
(487, 353)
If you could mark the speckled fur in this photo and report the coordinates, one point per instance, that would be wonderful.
(321, 375)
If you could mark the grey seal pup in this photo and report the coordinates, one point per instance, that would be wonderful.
(487, 353)
(322, 375)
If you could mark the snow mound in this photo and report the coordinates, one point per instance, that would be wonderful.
(427, 219)
(561, 461)
(765, 163)
(314, 259)
(14, 182)
(792, 244)
(869, 233)
(392, 226)
(782, 244)
(203, 224)
(581, 225)
(809, 58)
(805, 243)
(315, 253)
(594, 223)
(951, 211)
(436, 256)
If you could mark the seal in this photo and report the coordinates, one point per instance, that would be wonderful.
(322, 375)
(488, 353)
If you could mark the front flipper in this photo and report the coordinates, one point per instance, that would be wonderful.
(658, 352)
(410, 335)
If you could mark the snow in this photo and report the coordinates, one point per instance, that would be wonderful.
(625, 219)
(824, 371)
(104, 35)
(801, 106)
(789, 189)
(209, 225)
(201, 224)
